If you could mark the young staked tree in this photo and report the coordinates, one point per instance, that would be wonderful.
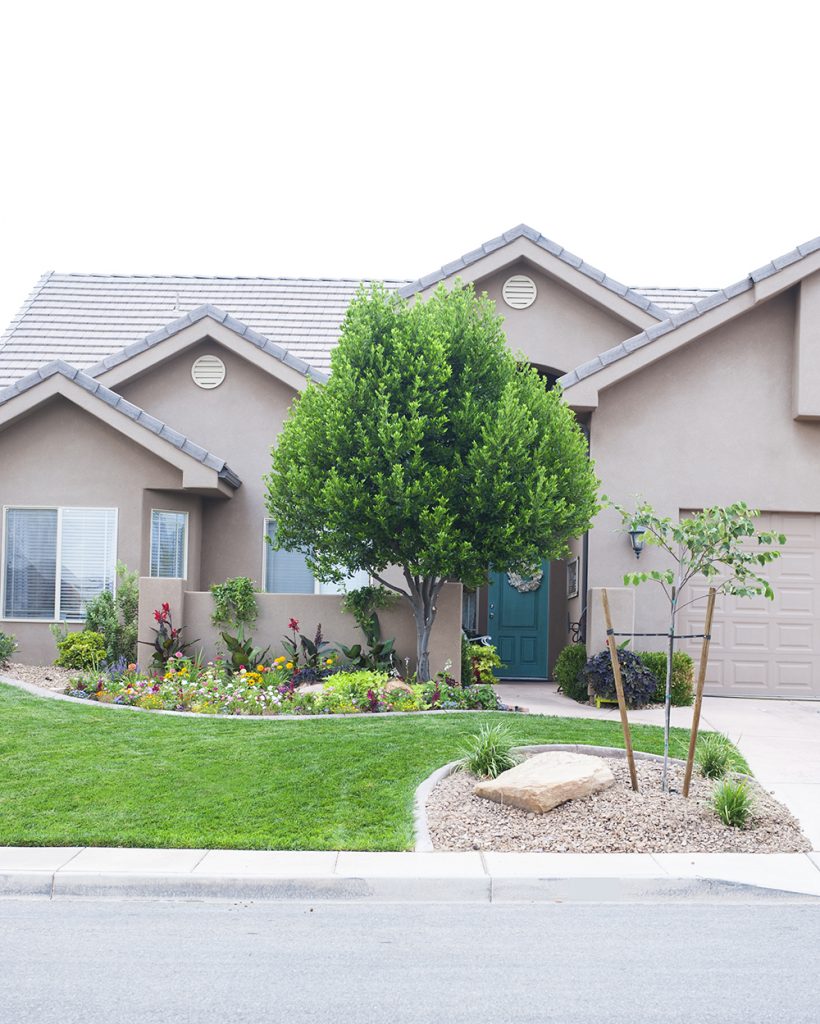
(720, 545)
(431, 449)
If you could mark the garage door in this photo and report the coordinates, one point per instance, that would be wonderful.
(766, 648)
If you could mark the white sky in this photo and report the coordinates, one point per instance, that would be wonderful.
(668, 144)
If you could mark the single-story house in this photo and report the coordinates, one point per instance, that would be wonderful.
(137, 416)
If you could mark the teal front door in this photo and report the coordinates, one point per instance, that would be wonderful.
(518, 614)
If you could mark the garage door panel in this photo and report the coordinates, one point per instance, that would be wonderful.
(761, 647)
(793, 637)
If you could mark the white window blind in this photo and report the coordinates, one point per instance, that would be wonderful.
(56, 560)
(169, 542)
(88, 541)
(30, 583)
(286, 572)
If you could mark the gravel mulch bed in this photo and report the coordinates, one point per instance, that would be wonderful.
(48, 676)
(614, 821)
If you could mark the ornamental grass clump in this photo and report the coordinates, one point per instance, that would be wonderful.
(489, 752)
(715, 755)
(733, 802)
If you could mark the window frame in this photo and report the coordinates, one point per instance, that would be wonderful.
(317, 584)
(58, 554)
(175, 512)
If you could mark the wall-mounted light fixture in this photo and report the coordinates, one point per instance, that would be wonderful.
(636, 539)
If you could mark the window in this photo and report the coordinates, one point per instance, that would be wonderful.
(169, 544)
(286, 572)
(56, 560)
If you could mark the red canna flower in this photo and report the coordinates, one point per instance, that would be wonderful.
(294, 625)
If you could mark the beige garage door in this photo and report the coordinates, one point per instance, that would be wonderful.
(766, 648)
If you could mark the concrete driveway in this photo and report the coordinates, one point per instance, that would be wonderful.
(779, 738)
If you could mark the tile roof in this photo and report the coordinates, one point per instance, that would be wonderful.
(687, 313)
(133, 412)
(524, 231)
(82, 318)
(201, 313)
(673, 300)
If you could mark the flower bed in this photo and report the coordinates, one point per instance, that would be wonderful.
(273, 689)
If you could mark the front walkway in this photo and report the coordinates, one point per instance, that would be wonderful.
(779, 738)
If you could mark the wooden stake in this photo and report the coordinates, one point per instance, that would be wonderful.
(619, 690)
(704, 657)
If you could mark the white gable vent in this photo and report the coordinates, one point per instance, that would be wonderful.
(519, 291)
(208, 372)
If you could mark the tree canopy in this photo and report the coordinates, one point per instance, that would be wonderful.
(431, 448)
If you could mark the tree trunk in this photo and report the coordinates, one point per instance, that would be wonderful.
(667, 702)
(424, 593)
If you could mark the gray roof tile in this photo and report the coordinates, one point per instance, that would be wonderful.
(115, 401)
(85, 318)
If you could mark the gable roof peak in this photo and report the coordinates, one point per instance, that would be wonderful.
(554, 249)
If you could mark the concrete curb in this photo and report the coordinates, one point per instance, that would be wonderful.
(259, 875)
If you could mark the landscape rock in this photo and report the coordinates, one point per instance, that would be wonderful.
(547, 780)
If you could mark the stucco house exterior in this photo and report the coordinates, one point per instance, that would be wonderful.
(137, 416)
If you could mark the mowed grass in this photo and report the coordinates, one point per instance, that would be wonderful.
(90, 776)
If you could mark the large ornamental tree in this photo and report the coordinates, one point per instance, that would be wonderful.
(431, 449)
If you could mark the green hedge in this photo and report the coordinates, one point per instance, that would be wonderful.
(683, 675)
(567, 673)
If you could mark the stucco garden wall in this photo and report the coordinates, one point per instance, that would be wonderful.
(192, 610)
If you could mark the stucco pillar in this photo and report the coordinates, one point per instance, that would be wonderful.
(153, 592)
(622, 609)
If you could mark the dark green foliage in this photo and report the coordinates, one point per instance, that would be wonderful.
(567, 672)
(85, 649)
(638, 682)
(363, 604)
(116, 617)
(8, 645)
(489, 752)
(241, 652)
(683, 675)
(733, 803)
(168, 642)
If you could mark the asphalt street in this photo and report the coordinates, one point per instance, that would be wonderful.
(118, 962)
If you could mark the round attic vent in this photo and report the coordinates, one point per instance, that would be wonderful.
(519, 291)
(208, 372)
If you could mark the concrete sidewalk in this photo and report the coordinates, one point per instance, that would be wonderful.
(780, 739)
(57, 872)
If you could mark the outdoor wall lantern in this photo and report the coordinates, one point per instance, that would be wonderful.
(636, 538)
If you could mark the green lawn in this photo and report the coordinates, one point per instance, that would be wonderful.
(91, 776)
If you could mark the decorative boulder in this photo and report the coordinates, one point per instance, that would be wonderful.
(547, 780)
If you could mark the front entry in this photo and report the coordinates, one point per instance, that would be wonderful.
(518, 616)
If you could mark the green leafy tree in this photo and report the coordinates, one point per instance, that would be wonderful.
(432, 448)
(719, 544)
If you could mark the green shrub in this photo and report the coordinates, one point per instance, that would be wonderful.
(683, 676)
(85, 649)
(489, 752)
(733, 802)
(716, 755)
(638, 682)
(477, 664)
(115, 617)
(567, 672)
(8, 645)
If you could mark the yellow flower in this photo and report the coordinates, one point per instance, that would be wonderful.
(328, 661)
(260, 668)
(289, 665)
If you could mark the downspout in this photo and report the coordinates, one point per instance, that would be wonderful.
(582, 618)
